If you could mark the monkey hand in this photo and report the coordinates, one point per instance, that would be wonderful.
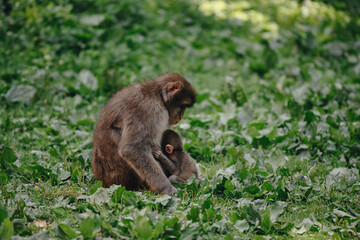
(157, 152)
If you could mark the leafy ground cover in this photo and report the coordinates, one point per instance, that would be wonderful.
(275, 131)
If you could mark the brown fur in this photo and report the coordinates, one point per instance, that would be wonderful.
(176, 163)
(131, 126)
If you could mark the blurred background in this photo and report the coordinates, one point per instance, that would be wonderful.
(122, 42)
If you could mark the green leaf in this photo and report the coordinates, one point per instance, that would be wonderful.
(286, 227)
(194, 214)
(95, 187)
(100, 196)
(7, 156)
(282, 195)
(341, 214)
(6, 229)
(266, 223)
(86, 227)
(21, 93)
(129, 198)
(267, 187)
(227, 172)
(253, 189)
(235, 217)
(209, 215)
(117, 194)
(276, 211)
(253, 214)
(67, 230)
(3, 213)
(229, 186)
(207, 204)
(242, 225)
(253, 132)
(163, 200)
(90, 226)
(142, 227)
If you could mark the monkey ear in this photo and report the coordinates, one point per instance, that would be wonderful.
(171, 90)
(174, 87)
(169, 148)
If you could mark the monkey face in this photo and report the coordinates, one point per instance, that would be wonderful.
(178, 96)
(178, 107)
(176, 114)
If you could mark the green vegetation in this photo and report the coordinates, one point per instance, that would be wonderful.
(275, 131)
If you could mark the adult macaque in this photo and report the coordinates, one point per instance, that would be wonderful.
(176, 163)
(131, 126)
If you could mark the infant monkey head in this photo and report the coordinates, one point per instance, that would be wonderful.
(185, 166)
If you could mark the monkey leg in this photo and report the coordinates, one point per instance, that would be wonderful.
(174, 178)
(148, 169)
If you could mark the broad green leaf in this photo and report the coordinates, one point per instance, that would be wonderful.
(341, 214)
(6, 229)
(253, 189)
(253, 132)
(253, 214)
(67, 230)
(87, 227)
(99, 197)
(242, 225)
(90, 226)
(234, 217)
(276, 210)
(163, 200)
(95, 187)
(267, 187)
(209, 215)
(21, 93)
(266, 223)
(3, 213)
(142, 227)
(227, 172)
(229, 186)
(7, 156)
(341, 174)
(117, 194)
(194, 214)
(249, 159)
(129, 198)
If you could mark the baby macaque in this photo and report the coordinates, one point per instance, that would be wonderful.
(176, 163)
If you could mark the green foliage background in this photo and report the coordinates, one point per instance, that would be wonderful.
(275, 131)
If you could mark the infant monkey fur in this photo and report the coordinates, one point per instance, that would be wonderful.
(176, 163)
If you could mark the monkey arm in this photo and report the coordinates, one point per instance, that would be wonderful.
(165, 162)
(135, 149)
